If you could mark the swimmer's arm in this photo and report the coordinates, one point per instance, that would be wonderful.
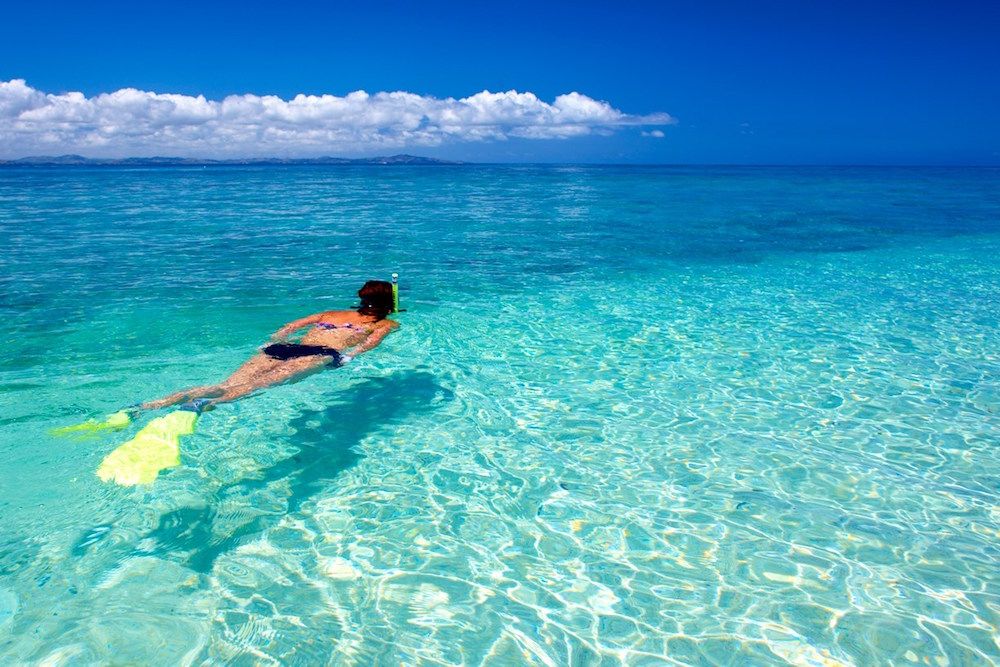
(294, 326)
(381, 330)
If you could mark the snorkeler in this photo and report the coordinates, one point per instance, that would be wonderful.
(326, 344)
(335, 338)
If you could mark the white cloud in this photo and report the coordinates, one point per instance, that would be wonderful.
(658, 134)
(136, 122)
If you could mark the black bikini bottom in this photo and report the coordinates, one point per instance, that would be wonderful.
(286, 351)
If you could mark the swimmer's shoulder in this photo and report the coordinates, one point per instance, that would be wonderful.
(335, 315)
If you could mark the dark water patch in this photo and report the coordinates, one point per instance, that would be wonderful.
(17, 555)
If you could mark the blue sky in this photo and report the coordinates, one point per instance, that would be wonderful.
(761, 82)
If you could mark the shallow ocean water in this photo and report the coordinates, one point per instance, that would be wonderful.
(634, 415)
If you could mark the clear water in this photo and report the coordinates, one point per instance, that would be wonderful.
(633, 415)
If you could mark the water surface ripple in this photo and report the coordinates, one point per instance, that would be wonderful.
(634, 415)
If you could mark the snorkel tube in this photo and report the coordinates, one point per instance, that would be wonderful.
(395, 292)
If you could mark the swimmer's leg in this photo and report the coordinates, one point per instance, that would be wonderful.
(206, 391)
(291, 370)
(157, 445)
(252, 368)
(255, 366)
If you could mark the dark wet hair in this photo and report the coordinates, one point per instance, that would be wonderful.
(376, 299)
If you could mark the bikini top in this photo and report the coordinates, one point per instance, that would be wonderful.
(329, 326)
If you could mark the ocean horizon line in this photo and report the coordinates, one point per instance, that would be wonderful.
(403, 159)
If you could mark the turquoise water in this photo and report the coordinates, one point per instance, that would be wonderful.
(633, 416)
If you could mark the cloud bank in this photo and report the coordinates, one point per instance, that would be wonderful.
(131, 122)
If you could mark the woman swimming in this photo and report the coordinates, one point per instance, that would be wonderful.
(335, 337)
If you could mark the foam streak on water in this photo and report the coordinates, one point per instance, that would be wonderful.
(633, 416)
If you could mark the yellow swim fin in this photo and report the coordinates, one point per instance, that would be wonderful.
(155, 447)
(115, 422)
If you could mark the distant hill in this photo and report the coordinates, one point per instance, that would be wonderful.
(61, 160)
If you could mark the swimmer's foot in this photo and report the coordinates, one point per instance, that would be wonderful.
(197, 406)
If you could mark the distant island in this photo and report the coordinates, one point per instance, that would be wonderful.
(74, 160)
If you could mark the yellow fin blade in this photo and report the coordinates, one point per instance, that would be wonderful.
(115, 422)
(154, 448)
